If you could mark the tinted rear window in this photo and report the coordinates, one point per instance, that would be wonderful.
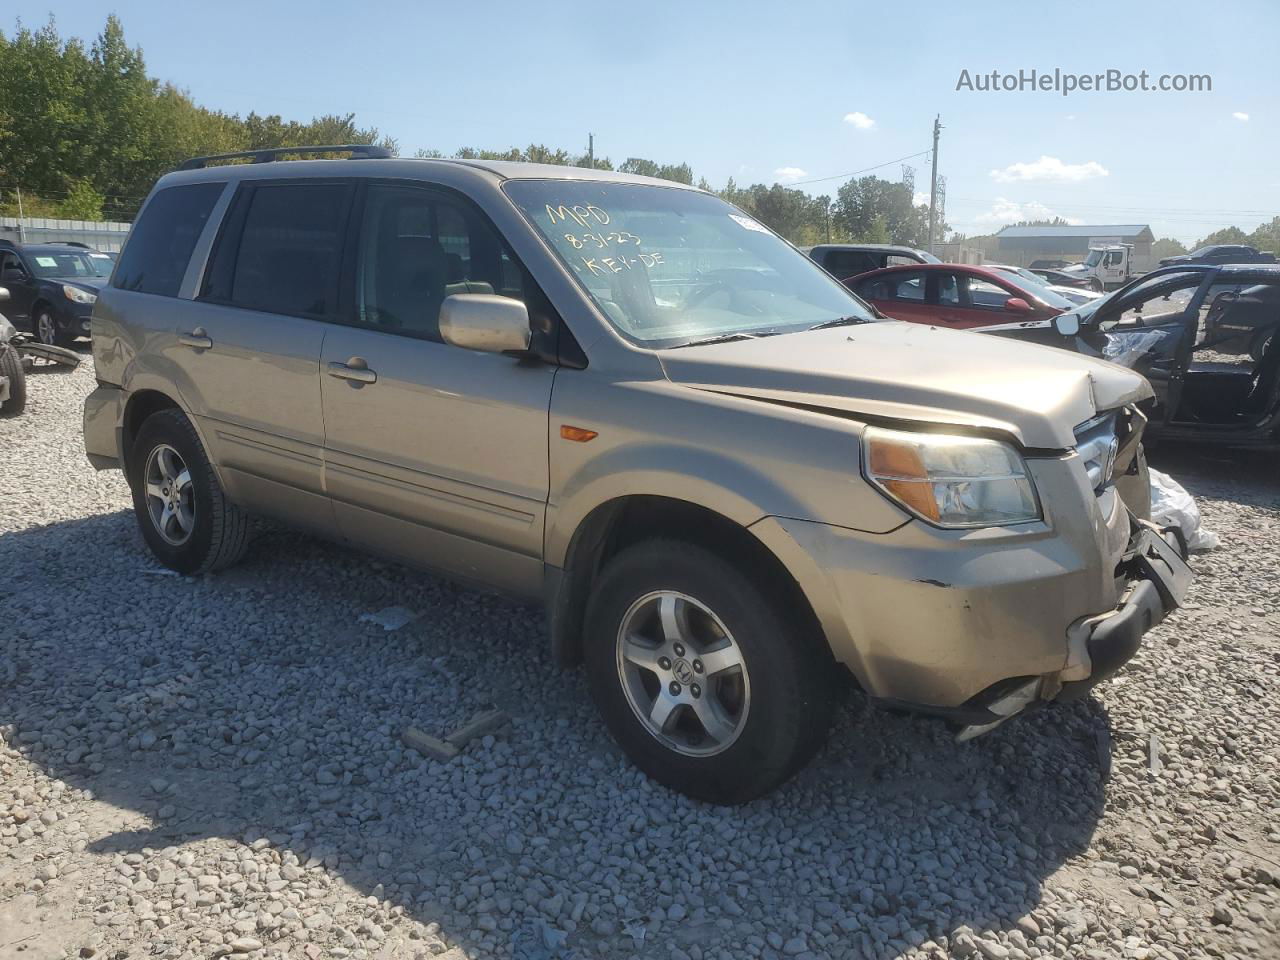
(291, 249)
(160, 243)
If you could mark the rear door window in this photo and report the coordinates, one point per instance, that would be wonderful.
(289, 254)
(160, 243)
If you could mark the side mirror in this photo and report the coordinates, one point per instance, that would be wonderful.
(485, 321)
(1067, 324)
(1017, 305)
(13, 273)
(4, 294)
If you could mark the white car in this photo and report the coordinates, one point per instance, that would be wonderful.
(1076, 295)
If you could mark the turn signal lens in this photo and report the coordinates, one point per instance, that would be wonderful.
(951, 481)
(577, 434)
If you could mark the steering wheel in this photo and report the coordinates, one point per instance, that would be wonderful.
(712, 287)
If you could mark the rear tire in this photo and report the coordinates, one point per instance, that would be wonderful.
(184, 516)
(717, 646)
(11, 369)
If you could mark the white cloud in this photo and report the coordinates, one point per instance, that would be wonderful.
(859, 120)
(920, 198)
(789, 173)
(1050, 169)
(1011, 211)
(1241, 116)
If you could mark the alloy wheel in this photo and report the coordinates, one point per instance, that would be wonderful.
(46, 329)
(683, 674)
(170, 495)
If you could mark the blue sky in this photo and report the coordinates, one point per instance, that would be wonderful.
(763, 92)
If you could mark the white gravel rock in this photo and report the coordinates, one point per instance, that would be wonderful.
(212, 765)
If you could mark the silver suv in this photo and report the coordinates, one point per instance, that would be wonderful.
(729, 481)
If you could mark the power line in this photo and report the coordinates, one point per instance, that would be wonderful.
(841, 176)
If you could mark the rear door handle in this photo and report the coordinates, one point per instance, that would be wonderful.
(197, 338)
(356, 369)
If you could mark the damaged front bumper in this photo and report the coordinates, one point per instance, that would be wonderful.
(1156, 579)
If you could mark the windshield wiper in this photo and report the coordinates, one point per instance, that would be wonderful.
(841, 322)
(719, 338)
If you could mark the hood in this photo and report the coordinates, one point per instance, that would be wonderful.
(1077, 269)
(914, 372)
(92, 284)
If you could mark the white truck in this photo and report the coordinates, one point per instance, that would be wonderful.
(1109, 265)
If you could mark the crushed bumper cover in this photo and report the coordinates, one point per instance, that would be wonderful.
(1157, 578)
(1160, 578)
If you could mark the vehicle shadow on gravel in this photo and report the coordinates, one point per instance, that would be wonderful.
(256, 706)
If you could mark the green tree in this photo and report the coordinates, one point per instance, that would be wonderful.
(1167, 247)
(1225, 235)
(1267, 236)
(870, 207)
(82, 202)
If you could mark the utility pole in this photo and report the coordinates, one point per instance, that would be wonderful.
(21, 237)
(933, 183)
(591, 150)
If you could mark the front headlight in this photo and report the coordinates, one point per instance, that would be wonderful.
(951, 481)
(78, 295)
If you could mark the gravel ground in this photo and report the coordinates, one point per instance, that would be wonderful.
(194, 767)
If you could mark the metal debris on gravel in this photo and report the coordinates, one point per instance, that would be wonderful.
(213, 766)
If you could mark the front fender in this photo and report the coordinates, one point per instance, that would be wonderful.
(741, 458)
(703, 478)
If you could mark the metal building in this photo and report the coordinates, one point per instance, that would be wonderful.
(1022, 245)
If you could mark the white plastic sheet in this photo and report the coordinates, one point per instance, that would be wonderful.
(1171, 505)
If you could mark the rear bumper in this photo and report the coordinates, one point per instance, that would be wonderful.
(103, 417)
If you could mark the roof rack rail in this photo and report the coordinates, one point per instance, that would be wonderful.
(69, 243)
(358, 151)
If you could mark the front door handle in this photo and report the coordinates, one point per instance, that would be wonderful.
(197, 338)
(356, 369)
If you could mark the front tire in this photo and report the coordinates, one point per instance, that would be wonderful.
(45, 328)
(1097, 286)
(184, 516)
(703, 678)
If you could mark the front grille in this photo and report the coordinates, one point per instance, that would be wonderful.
(1097, 443)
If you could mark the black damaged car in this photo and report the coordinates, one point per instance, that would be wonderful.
(52, 287)
(1206, 338)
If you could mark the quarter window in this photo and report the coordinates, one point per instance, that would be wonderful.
(160, 243)
(849, 263)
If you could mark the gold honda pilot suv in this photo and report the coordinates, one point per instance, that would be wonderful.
(728, 480)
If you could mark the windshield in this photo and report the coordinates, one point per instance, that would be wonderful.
(670, 266)
(1092, 259)
(59, 264)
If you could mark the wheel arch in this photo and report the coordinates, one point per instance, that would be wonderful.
(141, 405)
(626, 520)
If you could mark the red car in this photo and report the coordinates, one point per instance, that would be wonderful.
(955, 295)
